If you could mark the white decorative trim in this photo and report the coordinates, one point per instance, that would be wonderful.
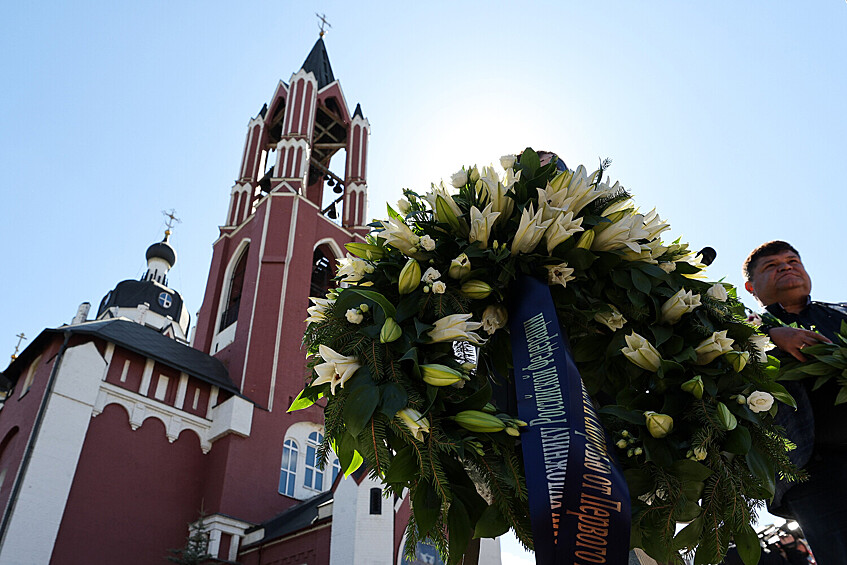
(218, 524)
(333, 244)
(255, 292)
(140, 408)
(222, 338)
(181, 389)
(292, 231)
(146, 377)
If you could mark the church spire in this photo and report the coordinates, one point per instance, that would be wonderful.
(317, 62)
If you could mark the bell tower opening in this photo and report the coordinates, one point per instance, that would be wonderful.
(323, 261)
(236, 286)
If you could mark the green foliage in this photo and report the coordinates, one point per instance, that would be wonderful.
(196, 546)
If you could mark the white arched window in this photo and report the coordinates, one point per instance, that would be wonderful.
(288, 471)
(314, 477)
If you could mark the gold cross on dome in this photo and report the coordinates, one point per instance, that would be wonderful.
(171, 216)
(20, 337)
(322, 18)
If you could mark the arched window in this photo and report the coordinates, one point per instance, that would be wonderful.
(288, 471)
(314, 478)
(236, 284)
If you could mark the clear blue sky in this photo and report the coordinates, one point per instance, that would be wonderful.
(727, 116)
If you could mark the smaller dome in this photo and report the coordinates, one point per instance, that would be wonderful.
(162, 250)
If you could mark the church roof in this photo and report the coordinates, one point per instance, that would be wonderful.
(318, 63)
(295, 518)
(144, 341)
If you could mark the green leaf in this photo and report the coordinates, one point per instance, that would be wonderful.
(491, 524)
(383, 302)
(621, 279)
(638, 481)
(762, 467)
(354, 464)
(404, 466)
(780, 393)
(692, 490)
(580, 259)
(641, 281)
(661, 333)
(688, 470)
(421, 327)
(738, 441)
(407, 308)
(359, 407)
(625, 414)
(842, 396)
(394, 399)
(657, 451)
(459, 531)
(689, 536)
(427, 508)
(302, 401)
(816, 369)
(529, 163)
(475, 401)
(687, 512)
(748, 545)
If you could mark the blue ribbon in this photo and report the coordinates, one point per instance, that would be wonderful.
(578, 498)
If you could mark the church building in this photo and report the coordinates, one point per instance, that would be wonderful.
(119, 429)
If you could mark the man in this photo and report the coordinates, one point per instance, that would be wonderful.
(776, 277)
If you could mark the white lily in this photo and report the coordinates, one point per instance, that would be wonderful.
(401, 236)
(623, 233)
(763, 344)
(561, 229)
(431, 275)
(494, 317)
(712, 347)
(559, 274)
(415, 421)
(641, 352)
(447, 195)
(612, 319)
(530, 231)
(654, 224)
(456, 327)
(336, 369)
(676, 306)
(717, 292)
(352, 269)
(317, 313)
(498, 192)
(481, 224)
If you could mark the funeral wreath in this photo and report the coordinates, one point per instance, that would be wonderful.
(410, 358)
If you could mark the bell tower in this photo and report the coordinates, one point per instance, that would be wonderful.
(288, 219)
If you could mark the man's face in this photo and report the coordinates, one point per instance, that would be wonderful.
(779, 278)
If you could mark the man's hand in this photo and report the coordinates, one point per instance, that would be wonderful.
(792, 340)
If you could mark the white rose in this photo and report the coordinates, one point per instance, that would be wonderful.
(438, 287)
(427, 243)
(459, 179)
(760, 401)
(508, 161)
(354, 316)
(717, 292)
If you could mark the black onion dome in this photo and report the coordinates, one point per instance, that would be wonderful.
(162, 250)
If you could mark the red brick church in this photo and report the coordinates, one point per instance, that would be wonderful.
(117, 428)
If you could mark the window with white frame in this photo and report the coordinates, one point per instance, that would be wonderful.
(336, 468)
(314, 477)
(288, 471)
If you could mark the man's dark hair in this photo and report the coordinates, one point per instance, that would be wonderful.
(765, 250)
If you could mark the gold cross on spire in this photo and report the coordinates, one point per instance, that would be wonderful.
(170, 215)
(322, 18)
(20, 337)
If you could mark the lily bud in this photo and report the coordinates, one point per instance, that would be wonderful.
(410, 277)
(694, 386)
(616, 216)
(659, 425)
(474, 175)
(440, 375)
(445, 213)
(726, 418)
(366, 250)
(586, 239)
(738, 359)
(476, 289)
(459, 267)
(390, 331)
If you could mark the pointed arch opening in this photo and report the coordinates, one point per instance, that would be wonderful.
(235, 288)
